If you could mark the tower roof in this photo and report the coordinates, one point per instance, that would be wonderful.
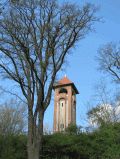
(65, 82)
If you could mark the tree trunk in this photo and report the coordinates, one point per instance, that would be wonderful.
(32, 149)
(35, 137)
(33, 152)
(40, 132)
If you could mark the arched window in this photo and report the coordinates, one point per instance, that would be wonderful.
(63, 90)
(61, 114)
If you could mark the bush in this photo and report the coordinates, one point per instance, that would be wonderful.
(13, 147)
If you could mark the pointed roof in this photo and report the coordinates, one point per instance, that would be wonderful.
(65, 82)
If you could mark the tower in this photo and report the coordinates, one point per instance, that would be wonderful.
(64, 104)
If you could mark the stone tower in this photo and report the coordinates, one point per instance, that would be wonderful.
(64, 104)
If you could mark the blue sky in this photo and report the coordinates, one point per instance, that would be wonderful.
(82, 66)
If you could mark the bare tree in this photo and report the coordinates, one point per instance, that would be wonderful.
(1, 7)
(100, 114)
(109, 60)
(104, 114)
(106, 106)
(12, 119)
(35, 38)
(46, 129)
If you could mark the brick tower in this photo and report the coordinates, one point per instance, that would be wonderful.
(64, 104)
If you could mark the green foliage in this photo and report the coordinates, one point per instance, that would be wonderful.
(73, 129)
(13, 147)
(103, 143)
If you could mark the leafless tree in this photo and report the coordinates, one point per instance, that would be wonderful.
(104, 114)
(106, 108)
(35, 37)
(3, 5)
(12, 119)
(109, 60)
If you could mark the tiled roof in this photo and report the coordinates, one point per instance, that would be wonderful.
(64, 80)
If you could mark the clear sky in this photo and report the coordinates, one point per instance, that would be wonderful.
(82, 66)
